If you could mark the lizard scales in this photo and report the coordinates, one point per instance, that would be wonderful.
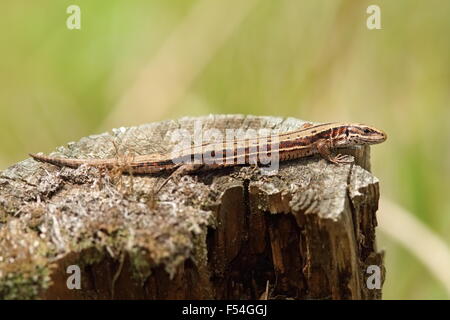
(307, 140)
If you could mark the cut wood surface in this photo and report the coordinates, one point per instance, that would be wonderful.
(304, 232)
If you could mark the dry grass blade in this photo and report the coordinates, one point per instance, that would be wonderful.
(422, 242)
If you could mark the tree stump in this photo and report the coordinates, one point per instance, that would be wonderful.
(306, 232)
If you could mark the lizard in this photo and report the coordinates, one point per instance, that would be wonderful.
(309, 139)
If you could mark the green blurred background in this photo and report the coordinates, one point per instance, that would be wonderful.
(141, 61)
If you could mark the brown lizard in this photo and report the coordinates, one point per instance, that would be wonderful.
(308, 140)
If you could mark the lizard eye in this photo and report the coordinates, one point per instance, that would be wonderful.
(366, 130)
(347, 132)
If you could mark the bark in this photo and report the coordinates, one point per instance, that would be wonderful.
(304, 232)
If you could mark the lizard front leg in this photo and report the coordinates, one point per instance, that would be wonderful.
(323, 148)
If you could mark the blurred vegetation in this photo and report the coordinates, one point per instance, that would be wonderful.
(141, 61)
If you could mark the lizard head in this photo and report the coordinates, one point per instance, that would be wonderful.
(363, 134)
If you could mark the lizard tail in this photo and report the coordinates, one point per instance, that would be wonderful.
(60, 162)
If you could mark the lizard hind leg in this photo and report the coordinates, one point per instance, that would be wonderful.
(181, 170)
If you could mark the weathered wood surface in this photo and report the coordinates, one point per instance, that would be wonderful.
(306, 232)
